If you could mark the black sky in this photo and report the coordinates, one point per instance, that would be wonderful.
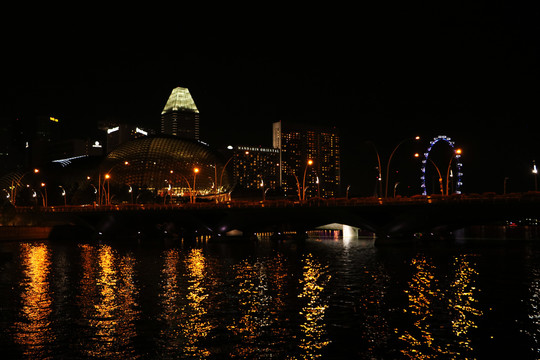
(380, 74)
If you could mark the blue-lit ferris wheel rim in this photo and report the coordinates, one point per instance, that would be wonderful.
(426, 157)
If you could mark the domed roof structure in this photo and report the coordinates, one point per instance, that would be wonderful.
(167, 163)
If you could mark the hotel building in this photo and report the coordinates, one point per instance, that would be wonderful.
(297, 144)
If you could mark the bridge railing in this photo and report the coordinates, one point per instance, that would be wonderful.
(314, 202)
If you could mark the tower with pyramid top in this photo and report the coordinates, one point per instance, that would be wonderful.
(180, 116)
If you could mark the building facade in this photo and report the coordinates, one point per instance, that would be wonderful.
(180, 116)
(255, 167)
(311, 153)
(118, 134)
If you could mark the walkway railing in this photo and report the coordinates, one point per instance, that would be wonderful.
(314, 202)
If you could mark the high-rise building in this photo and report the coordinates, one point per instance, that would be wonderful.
(180, 116)
(297, 145)
(255, 167)
(119, 133)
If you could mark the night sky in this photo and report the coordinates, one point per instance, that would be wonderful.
(468, 71)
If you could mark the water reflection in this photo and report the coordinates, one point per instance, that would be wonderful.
(185, 301)
(370, 307)
(433, 305)
(108, 303)
(532, 328)
(261, 326)
(168, 299)
(32, 330)
(463, 304)
(313, 335)
(196, 325)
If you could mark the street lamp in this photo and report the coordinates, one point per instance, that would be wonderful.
(379, 169)
(63, 194)
(107, 177)
(535, 173)
(44, 186)
(16, 185)
(195, 172)
(456, 154)
(390, 159)
(309, 163)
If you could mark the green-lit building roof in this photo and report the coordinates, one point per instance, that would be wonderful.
(180, 100)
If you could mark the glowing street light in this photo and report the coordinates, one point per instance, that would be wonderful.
(195, 172)
(309, 163)
(44, 186)
(63, 194)
(16, 185)
(535, 173)
(456, 154)
(390, 159)
(107, 178)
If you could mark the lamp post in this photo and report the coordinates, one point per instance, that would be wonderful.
(379, 169)
(63, 194)
(16, 185)
(107, 177)
(395, 188)
(535, 173)
(195, 172)
(309, 163)
(222, 172)
(457, 153)
(131, 193)
(44, 186)
(440, 175)
(390, 159)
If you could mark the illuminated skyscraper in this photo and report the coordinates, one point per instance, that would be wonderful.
(180, 116)
(300, 143)
(255, 167)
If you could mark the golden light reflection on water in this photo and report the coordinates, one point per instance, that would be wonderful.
(370, 307)
(253, 304)
(109, 309)
(261, 323)
(184, 305)
(168, 299)
(313, 335)
(196, 326)
(33, 331)
(432, 305)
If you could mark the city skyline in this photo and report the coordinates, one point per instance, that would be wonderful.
(468, 73)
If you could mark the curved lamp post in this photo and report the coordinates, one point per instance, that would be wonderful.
(107, 177)
(16, 185)
(457, 153)
(390, 159)
(195, 172)
(535, 173)
(63, 194)
(309, 163)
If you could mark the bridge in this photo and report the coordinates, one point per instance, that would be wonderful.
(392, 217)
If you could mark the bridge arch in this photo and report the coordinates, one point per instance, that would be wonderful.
(426, 158)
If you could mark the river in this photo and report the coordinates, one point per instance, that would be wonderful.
(475, 295)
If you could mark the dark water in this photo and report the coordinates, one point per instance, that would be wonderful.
(324, 298)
